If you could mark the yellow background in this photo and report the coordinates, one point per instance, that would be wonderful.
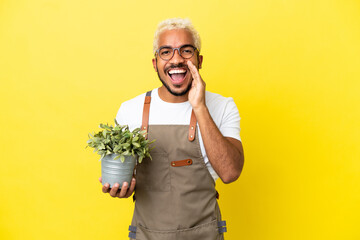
(292, 67)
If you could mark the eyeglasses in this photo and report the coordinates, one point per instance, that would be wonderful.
(185, 51)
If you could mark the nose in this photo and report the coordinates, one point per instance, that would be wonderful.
(177, 57)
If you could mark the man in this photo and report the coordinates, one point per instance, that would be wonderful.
(197, 140)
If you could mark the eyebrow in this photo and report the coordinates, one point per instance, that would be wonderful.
(165, 46)
(185, 45)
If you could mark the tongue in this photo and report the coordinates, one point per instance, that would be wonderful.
(177, 76)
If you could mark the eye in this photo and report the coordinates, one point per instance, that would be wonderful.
(165, 52)
(187, 50)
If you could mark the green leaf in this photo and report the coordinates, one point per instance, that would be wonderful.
(117, 148)
(127, 152)
(104, 133)
(135, 139)
(136, 144)
(125, 145)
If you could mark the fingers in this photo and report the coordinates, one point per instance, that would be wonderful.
(124, 192)
(114, 189)
(131, 189)
(193, 70)
(105, 188)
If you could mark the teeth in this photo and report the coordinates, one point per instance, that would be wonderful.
(177, 71)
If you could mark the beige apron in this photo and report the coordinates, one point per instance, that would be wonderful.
(175, 193)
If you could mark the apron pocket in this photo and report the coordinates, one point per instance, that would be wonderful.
(144, 233)
(206, 231)
(153, 175)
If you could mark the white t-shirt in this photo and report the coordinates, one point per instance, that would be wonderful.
(222, 110)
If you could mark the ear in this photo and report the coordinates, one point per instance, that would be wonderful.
(200, 60)
(154, 64)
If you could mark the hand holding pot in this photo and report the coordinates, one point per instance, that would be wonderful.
(124, 192)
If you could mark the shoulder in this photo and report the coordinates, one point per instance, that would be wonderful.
(130, 112)
(215, 98)
(217, 103)
(225, 114)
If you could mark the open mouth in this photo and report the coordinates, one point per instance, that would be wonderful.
(177, 75)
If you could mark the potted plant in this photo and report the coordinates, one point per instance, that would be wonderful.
(119, 149)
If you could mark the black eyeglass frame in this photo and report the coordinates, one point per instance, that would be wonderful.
(178, 48)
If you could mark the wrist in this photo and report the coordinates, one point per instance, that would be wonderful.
(200, 109)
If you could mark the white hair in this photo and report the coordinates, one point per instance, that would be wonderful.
(176, 23)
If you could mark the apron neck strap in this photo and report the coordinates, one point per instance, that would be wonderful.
(145, 119)
(192, 126)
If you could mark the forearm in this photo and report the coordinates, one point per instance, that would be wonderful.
(226, 158)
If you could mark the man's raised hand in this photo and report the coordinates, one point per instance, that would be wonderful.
(197, 91)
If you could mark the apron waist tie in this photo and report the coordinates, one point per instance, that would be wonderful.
(132, 233)
(222, 227)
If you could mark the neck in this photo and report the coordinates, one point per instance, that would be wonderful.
(166, 96)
